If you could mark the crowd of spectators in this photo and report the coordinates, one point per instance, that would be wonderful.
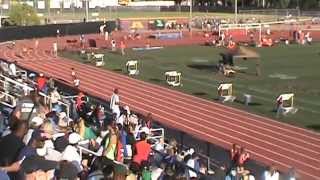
(41, 140)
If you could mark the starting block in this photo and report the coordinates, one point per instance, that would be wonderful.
(225, 92)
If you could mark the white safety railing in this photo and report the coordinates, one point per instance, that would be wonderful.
(5, 81)
(7, 99)
(69, 97)
(259, 26)
(12, 86)
(99, 153)
(155, 134)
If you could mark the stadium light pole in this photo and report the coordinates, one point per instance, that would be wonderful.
(190, 17)
(87, 10)
(236, 11)
(1, 6)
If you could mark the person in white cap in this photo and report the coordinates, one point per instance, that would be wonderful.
(115, 103)
(35, 123)
(71, 152)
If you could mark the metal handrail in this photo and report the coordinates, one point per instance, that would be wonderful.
(16, 82)
(153, 137)
(83, 149)
(4, 95)
(29, 89)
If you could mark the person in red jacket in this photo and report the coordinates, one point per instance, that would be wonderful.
(80, 101)
(142, 149)
(42, 83)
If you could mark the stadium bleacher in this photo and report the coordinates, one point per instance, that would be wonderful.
(87, 141)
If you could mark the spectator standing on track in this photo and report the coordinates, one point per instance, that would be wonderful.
(55, 49)
(76, 82)
(36, 44)
(122, 47)
(58, 33)
(115, 103)
(82, 41)
(113, 45)
(222, 39)
(73, 73)
(106, 36)
(279, 106)
(101, 28)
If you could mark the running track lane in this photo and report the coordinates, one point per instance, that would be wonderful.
(202, 118)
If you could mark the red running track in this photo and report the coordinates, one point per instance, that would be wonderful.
(267, 140)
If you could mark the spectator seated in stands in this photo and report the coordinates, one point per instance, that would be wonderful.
(88, 146)
(110, 150)
(142, 149)
(234, 155)
(55, 98)
(13, 70)
(271, 174)
(193, 163)
(243, 157)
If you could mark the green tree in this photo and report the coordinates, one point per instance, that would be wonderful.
(23, 15)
